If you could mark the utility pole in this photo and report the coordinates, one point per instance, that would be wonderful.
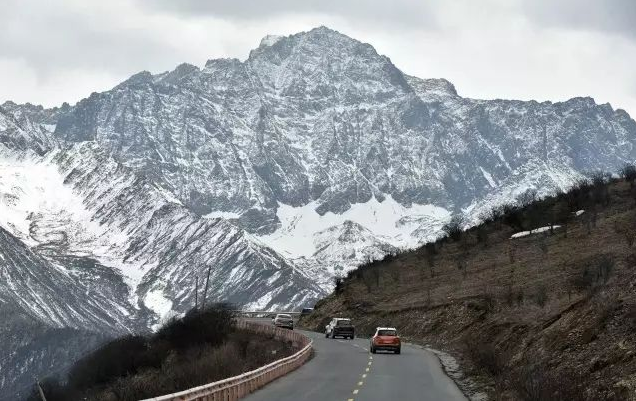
(37, 383)
(205, 291)
(196, 293)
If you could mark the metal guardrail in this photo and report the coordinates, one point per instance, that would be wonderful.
(239, 386)
(262, 313)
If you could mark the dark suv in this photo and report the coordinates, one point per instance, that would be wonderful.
(340, 327)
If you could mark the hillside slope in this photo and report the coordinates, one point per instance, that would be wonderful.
(538, 316)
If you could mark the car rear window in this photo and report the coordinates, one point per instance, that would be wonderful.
(343, 323)
(387, 333)
(284, 317)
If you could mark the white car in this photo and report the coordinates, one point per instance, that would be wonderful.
(283, 320)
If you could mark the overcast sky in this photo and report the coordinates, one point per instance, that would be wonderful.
(56, 51)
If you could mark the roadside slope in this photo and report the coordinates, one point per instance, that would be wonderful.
(544, 315)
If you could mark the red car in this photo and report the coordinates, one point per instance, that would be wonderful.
(385, 338)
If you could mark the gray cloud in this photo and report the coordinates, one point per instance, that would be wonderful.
(614, 16)
(52, 52)
(397, 12)
(54, 36)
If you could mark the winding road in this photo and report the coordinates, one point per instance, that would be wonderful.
(344, 370)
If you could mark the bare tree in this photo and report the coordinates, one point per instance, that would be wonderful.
(628, 172)
(454, 228)
(431, 251)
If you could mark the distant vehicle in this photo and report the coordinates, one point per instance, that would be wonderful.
(283, 320)
(340, 327)
(306, 311)
(385, 338)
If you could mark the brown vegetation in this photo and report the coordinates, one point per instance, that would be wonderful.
(200, 348)
(549, 316)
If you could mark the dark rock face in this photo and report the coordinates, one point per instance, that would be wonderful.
(320, 116)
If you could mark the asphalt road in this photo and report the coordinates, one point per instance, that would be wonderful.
(344, 370)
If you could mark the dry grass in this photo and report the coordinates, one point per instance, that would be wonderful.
(562, 298)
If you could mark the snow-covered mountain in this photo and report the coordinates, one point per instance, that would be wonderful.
(278, 172)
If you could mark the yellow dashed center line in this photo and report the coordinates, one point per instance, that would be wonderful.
(364, 376)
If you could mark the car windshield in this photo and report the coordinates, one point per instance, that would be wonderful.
(392, 333)
(284, 317)
(345, 322)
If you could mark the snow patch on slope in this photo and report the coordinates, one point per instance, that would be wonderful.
(222, 215)
(37, 207)
(389, 220)
(158, 303)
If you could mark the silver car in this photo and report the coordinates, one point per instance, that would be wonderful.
(283, 320)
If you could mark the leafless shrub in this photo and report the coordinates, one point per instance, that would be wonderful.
(454, 228)
(491, 216)
(514, 296)
(512, 250)
(482, 236)
(485, 355)
(540, 296)
(527, 198)
(368, 279)
(578, 195)
(561, 214)
(338, 284)
(488, 302)
(543, 244)
(628, 172)
(605, 267)
(431, 252)
(627, 229)
(600, 187)
(593, 274)
(461, 262)
(538, 383)
(512, 216)
(201, 347)
(394, 271)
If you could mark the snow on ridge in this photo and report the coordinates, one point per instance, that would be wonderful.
(270, 40)
(222, 215)
(534, 231)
